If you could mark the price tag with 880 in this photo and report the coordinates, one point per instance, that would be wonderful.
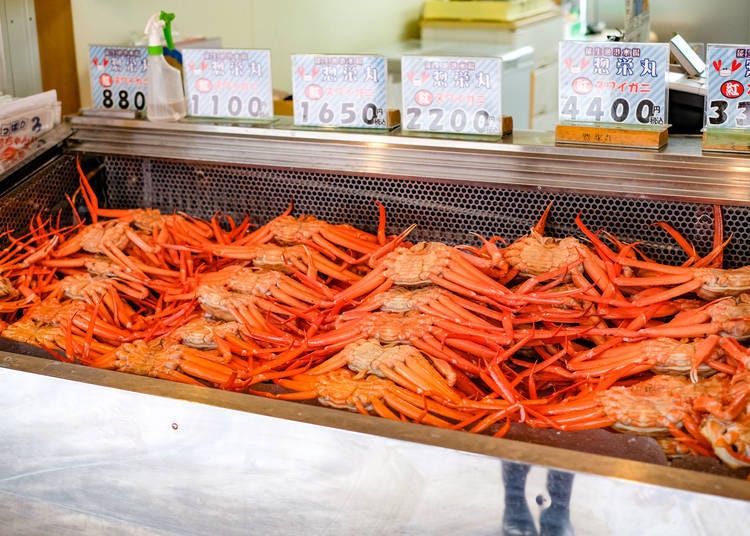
(728, 86)
(339, 90)
(118, 77)
(232, 83)
(454, 95)
(613, 82)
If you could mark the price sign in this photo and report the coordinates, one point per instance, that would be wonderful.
(339, 91)
(613, 82)
(728, 90)
(452, 94)
(118, 77)
(20, 130)
(228, 83)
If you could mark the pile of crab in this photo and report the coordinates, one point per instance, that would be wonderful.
(568, 334)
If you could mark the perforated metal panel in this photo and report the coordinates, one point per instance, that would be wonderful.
(43, 193)
(448, 212)
(445, 211)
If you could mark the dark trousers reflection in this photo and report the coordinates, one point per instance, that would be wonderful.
(555, 517)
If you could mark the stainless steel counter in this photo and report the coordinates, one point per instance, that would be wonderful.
(88, 450)
(95, 451)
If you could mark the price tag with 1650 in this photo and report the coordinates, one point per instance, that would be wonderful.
(346, 91)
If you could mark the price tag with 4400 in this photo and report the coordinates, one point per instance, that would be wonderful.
(456, 95)
(118, 77)
(613, 82)
(339, 90)
(728, 86)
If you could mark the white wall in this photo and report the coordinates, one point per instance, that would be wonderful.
(283, 26)
(698, 21)
(357, 26)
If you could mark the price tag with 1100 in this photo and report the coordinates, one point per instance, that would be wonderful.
(231, 83)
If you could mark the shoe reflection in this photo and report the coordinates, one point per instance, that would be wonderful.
(555, 517)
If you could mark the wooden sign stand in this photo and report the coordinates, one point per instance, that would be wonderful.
(726, 140)
(613, 135)
(394, 117)
(507, 126)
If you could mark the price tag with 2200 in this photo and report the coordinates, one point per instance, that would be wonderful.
(453, 95)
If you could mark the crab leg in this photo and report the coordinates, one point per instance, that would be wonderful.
(665, 352)
(246, 348)
(311, 265)
(403, 364)
(332, 387)
(177, 376)
(195, 364)
(257, 326)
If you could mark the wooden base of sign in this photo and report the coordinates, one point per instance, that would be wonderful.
(394, 118)
(726, 141)
(613, 135)
(507, 125)
(283, 107)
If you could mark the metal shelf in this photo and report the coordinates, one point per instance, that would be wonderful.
(680, 171)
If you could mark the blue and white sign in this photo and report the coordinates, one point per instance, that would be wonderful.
(728, 86)
(230, 83)
(456, 95)
(613, 82)
(339, 90)
(118, 77)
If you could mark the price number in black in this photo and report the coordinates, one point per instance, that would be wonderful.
(344, 115)
(234, 106)
(122, 99)
(720, 113)
(645, 112)
(458, 120)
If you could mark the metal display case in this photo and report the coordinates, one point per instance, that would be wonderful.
(88, 450)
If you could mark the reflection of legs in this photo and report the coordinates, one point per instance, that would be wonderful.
(555, 520)
(516, 517)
